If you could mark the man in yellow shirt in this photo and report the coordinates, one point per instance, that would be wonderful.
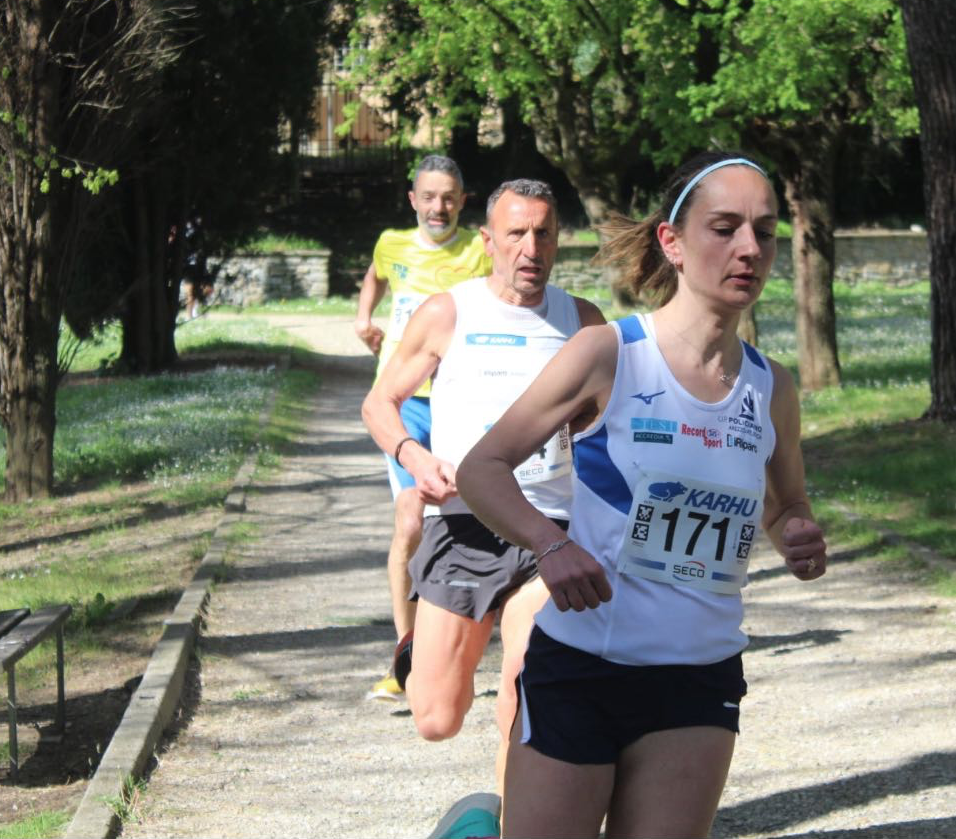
(415, 263)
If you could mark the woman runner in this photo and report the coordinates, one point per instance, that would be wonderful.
(687, 441)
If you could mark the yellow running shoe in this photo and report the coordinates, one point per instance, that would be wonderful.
(386, 688)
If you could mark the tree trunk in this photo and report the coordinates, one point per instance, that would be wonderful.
(31, 426)
(29, 266)
(520, 152)
(164, 306)
(143, 305)
(294, 162)
(809, 191)
(149, 322)
(29, 374)
(930, 34)
(568, 140)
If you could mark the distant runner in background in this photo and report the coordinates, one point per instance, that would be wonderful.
(414, 264)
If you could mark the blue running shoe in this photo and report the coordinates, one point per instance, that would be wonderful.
(473, 817)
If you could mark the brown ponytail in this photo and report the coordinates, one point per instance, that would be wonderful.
(643, 272)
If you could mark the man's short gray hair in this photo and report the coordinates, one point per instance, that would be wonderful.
(526, 188)
(439, 163)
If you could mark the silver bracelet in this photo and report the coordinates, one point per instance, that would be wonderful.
(554, 546)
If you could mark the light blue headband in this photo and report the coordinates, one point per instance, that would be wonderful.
(703, 173)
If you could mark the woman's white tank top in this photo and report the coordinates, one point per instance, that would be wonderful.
(668, 492)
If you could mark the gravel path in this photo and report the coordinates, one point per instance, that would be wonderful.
(848, 729)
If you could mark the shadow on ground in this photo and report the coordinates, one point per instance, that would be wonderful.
(776, 812)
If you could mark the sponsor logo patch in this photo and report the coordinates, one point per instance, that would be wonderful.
(667, 490)
(719, 502)
(653, 424)
(735, 442)
(710, 437)
(490, 339)
(646, 399)
(653, 437)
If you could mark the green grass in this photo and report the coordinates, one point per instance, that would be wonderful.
(866, 447)
(126, 805)
(143, 450)
(198, 426)
(882, 331)
(274, 243)
(301, 305)
(43, 825)
(242, 694)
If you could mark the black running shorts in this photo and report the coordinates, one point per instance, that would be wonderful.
(581, 708)
(462, 566)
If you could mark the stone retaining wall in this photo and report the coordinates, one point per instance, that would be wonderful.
(248, 279)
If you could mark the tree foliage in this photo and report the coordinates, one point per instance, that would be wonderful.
(604, 83)
(796, 81)
(207, 147)
(177, 104)
(567, 65)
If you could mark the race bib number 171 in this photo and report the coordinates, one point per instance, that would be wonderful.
(688, 532)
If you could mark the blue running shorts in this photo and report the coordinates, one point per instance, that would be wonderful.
(417, 416)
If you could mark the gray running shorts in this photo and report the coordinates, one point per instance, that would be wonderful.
(463, 567)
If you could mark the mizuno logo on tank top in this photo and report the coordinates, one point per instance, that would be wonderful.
(647, 399)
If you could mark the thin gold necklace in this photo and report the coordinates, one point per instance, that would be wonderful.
(726, 379)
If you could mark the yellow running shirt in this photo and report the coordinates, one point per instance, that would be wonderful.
(415, 271)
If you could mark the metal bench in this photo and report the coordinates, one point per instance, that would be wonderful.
(20, 632)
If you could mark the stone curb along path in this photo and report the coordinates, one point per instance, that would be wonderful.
(156, 698)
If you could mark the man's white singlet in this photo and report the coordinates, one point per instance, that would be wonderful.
(668, 492)
(496, 351)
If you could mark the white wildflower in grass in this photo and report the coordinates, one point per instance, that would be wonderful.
(160, 426)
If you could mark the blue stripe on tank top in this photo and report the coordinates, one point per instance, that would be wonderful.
(754, 356)
(597, 471)
(631, 330)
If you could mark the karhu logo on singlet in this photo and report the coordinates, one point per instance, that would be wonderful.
(720, 502)
(666, 490)
(401, 271)
(491, 339)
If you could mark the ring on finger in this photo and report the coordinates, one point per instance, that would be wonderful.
(811, 564)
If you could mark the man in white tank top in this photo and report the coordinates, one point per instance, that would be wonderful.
(482, 343)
